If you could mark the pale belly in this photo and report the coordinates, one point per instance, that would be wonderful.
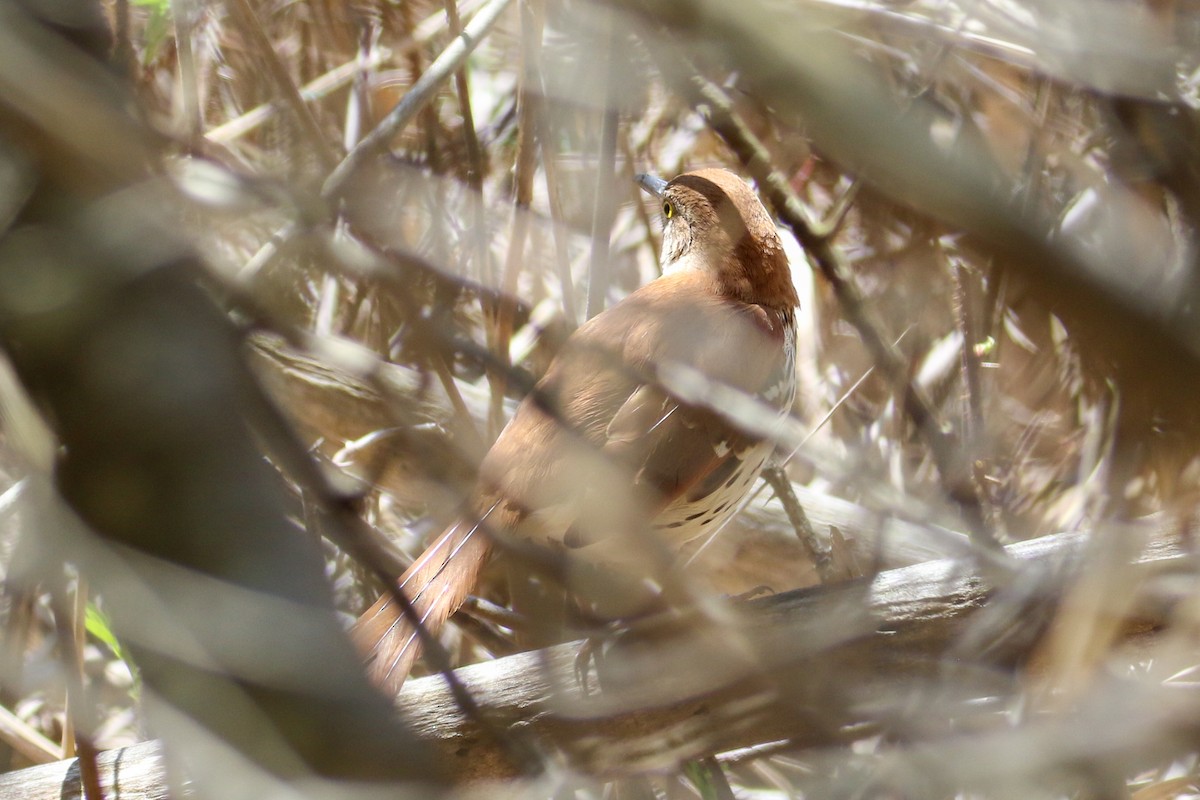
(683, 521)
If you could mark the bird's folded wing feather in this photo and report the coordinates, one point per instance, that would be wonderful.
(671, 446)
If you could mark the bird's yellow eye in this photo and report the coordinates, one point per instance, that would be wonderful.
(668, 209)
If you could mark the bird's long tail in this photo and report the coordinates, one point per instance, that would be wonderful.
(436, 585)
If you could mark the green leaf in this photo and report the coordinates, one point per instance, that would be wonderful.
(97, 625)
(159, 6)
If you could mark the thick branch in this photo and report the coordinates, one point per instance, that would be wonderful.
(805, 666)
(812, 667)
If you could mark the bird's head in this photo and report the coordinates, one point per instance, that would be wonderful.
(713, 221)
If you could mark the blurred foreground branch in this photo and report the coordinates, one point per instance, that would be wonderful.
(1128, 310)
(160, 495)
(815, 668)
(332, 403)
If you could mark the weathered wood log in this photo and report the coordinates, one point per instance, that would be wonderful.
(130, 773)
(803, 666)
(800, 666)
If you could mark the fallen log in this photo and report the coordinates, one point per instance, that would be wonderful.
(811, 666)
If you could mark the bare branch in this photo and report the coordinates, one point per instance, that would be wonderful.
(450, 61)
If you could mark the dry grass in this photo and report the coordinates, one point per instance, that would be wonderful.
(1038, 285)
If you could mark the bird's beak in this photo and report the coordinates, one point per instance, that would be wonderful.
(651, 183)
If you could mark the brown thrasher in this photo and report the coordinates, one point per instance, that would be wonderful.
(601, 444)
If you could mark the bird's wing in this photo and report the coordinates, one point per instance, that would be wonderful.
(677, 447)
(602, 402)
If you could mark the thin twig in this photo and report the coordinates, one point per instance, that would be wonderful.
(1035, 157)
(602, 210)
(332, 80)
(528, 97)
(966, 301)
(185, 19)
(462, 416)
(451, 59)
(27, 741)
(462, 87)
(485, 635)
(817, 552)
(562, 255)
(270, 251)
(67, 616)
(493, 613)
(358, 101)
(431, 128)
(836, 217)
(316, 89)
(251, 26)
(968, 326)
(475, 163)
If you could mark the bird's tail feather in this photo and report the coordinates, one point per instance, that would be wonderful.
(436, 585)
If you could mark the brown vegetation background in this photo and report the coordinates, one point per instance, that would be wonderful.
(991, 210)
